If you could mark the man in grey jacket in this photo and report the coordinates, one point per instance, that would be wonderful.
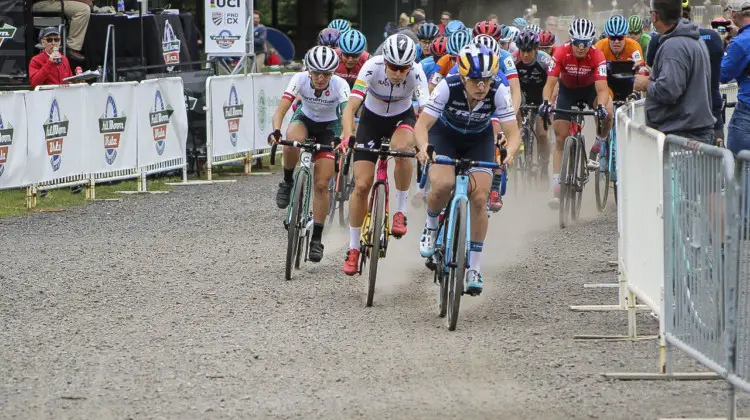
(678, 97)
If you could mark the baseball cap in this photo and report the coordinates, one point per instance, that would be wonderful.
(50, 30)
(417, 17)
(739, 5)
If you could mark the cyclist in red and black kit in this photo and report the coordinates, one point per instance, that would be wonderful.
(352, 55)
(547, 42)
(582, 72)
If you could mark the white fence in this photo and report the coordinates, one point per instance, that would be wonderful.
(239, 116)
(59, 136)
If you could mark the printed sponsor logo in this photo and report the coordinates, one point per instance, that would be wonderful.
(6, 140)
(55, 132)
(233, 111)
(159, 120)
(6, 32)
(170, 46)
(111, 127)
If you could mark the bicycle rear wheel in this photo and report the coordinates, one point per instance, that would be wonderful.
(567, 169)
(377, 227)
(332, 198)
(295, 224)
(527, 137)
(602, 180)
(458, 268)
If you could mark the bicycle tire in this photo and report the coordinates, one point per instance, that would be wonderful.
(441, 275)
(602, 192)
(566, 167)
(345, 187)
(378, 225)
(581, 173)
(458, 269)
(292, 247)
(332, 199)
(528, 148)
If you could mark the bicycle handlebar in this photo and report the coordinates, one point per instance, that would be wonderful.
(384, 153)
(307, 145)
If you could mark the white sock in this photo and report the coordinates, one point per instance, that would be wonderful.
(556, 179)
(432, 221)
(401, 197)
(354, 234)
(476, 261)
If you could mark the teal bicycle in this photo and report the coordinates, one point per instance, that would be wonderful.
(299, 220)
(452, 245)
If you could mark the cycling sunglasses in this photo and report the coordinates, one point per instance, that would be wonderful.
(581, 43)
(617, 38)
(319, 74)
(525, 50)
(52, 39)
(352, 56)
(400, 69)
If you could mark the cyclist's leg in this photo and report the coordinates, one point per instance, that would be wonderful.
(543, 146)
(593, 102)
(442, 179)
(483, 149)
(297, 131)
(402, 140)
(324, 171)
(565, 100)
(495, 200)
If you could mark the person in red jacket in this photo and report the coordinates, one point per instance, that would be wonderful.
(49, 67)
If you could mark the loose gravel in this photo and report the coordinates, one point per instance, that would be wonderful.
(174, 306)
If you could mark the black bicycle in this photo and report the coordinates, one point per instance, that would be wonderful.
(340, 188)
(527, 162)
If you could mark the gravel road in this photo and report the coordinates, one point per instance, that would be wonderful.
(174, 306)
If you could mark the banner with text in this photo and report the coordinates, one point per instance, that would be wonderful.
(112, 126)
(162, 120)
(267, 92)
(232, 115)
(57, 133)
(225, 27)
(13, 140)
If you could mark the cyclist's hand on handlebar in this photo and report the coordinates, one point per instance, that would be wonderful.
(274, 137)
(544, 109)
(340, 144)
(500, 140)
(423, 156)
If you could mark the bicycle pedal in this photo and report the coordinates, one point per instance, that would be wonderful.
(430, 263)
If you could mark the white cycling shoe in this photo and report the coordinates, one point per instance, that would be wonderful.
(427, 242)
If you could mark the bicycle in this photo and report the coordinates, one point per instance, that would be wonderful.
(573, 172)
(340, 188)
(451, 257)
(528, 159)
(299, 220)
(377, 229)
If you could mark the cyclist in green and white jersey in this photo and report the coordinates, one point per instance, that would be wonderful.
(636, 32)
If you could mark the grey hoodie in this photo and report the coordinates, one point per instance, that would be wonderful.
(679, 95)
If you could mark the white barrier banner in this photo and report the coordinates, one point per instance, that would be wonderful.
(57, 133)
(13, 140)
(267, 92)
(232, 114)
(113, 126)
(225, 27)
(162, 120)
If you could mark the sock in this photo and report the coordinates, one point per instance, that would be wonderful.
(432, 220)
(496, 180)
(597, 147)
(288, 175)
(556, 179)
(476, 256)
(401, 197)
(354, 234)
(317, 231)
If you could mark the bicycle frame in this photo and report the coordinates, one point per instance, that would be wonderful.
(461, 193)
(305, 166)
(380, 178)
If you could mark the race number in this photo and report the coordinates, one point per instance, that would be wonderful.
(637, 56)
(603, 70)
(509, 64)
(436, 78)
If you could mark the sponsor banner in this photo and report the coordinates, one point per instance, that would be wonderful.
(57, 135)
(267, 92)
(13, 140)
(225, 27)
(112, 126)
(162, 120)
(232, 116)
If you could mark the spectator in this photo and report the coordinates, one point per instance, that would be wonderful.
(445, 18)
(49, 67)
(417, 19)
(403, 20)
(734, 66)
(715, 54)
(493, 18)
(680, 79)
(79, 12)
(259, 42)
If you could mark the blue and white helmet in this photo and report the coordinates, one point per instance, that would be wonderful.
(352, 42)
(454, 26)
(520, 22)
(458, 40)
(341, 25)
(617, 25)
(534, 28)
(510, 34)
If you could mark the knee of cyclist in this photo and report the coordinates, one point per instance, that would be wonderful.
(479, 199)
(441, 188)
(362, 187)
(321, 186)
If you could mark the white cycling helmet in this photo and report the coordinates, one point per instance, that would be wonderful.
(399, 50)
(488, 42)
(511, 35)
(582, 29)
(321, 59)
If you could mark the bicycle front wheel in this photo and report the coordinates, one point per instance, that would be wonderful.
(377, 233)
(346, 186)
(567, 170)
(601, 181)
(579, 178)
(295, 223)
(458, 268)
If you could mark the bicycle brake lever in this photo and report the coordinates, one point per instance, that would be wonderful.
(273, 153)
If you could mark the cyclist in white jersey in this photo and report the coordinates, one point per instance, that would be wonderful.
(387, 84)
(323, 95)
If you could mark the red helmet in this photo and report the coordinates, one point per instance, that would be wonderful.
(439, 46)
(546, 39)
(488, 28)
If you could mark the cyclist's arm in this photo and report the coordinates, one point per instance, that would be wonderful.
(550, 88)
(290, 95)
(554, 93)
(281, 110)
(513, 138)
(515, 93)
(423, 125)
(347, 116)
(432, 111)
(600, 83)
(506, 116)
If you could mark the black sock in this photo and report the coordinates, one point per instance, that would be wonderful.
(317, 231)
(288, 175)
